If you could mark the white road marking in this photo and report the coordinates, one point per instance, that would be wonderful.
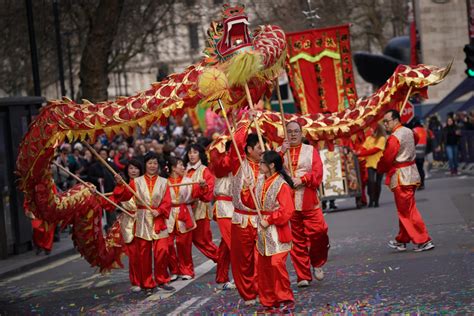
(195, 308)
(179, 285)
(42, 269)
(184, 306)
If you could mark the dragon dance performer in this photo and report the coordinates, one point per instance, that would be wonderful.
(181, 221)
(43, 234)
(196, 169)
(223, 212)
(310, 231)
(151, 233)
(244, 220)
(398, 161)
(133, 169)
(275, 196)
(371, 151)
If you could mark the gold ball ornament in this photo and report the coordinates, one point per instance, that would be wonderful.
(212, 82)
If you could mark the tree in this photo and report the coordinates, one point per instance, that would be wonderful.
(373, 21)
(94, 72)
(105, 36)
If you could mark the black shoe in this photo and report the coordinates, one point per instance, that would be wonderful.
(376, 204)
(421, 187)
(38, 251)
(371, 204)
(47, 252)
(332, 206)
(166, 287)
(148, 292)
(360, 205)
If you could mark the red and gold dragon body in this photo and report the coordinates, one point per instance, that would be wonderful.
(230, 45)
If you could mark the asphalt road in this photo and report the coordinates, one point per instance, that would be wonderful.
(362, 274)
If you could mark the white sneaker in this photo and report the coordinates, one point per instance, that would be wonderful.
(302, 283)
(397, 245)
(226, 286)
(250, 302)
(186, 277)
(135, 289)
(423, 247)
(173, 277)
(318, 273)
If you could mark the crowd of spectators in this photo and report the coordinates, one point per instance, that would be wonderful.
(166, 141)
(447, 140)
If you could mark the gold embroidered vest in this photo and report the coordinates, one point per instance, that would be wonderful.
(201, 209)
(144, 225)
(127, 222)
(184, 196)
(405, 175)
(268, 243)
(223, 208)
(237, 185)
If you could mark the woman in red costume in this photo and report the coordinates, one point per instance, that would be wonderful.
(150, 230)
(181, 222)
(133, 169)
(371, 152)
(274, 196)
(196, 169)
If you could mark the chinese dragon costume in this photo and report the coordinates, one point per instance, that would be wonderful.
(235, 57)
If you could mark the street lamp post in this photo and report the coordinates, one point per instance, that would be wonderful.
(34, 54)
(57, 28)
(69, 60)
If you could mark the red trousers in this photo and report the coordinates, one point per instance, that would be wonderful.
(180, 258)
(223, 261)
(243, 260)
(310, 242)
(140, 262)
(274, 286)
(41, 238)
(202, 239)
(412, 227)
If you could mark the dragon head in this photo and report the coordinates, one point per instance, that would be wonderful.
(231, 35)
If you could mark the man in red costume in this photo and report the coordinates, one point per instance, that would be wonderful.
(151, 233)
(398, 161)
(310, 232)
(223, 211)
(244, 219)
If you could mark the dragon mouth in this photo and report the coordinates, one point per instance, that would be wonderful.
(236, 36)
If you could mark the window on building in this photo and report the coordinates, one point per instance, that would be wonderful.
(193, 36)
(284, 91)
(218, 1)
(190, 3)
